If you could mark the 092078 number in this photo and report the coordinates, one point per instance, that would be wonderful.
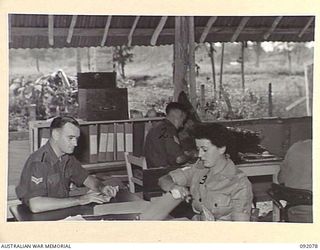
(308, 245)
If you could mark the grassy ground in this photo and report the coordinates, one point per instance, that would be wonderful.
(151, 71)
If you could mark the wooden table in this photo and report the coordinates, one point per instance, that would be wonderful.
(22, 213)
(262, 168)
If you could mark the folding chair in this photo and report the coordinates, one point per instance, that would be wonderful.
(139, 162)
(292, 196)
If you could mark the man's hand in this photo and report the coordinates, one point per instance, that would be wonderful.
(92, 196)
(110, 191)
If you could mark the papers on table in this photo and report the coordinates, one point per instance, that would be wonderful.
(74, 218)
(132, 207)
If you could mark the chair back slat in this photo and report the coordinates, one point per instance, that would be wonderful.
(137, 161)
(293, 196)
(133, 161)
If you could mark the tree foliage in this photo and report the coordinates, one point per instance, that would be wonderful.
(51, 94)
(121, 56)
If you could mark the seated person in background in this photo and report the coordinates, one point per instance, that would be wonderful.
(135, 114)
(162, 145)
(218, 189)
(49, 171)
(151, 113)
(296, 172)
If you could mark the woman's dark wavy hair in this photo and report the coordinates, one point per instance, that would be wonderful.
(219, 136)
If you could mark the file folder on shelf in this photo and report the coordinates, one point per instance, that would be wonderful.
(110, 143)
(128, 129)
(87, 149)
(120, 141)
(102, 154)
(138, 138)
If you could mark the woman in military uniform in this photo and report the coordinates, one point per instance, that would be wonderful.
(217, 188)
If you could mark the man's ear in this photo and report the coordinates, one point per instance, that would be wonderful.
(55, 134)
(222, 150)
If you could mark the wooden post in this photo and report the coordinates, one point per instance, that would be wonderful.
(192, 66)
(202, 100)
(308, 74)
(78, 59)
(184, 69)
(89, 59)
(242, 66)
(32, 112)
(94, 59)
(270, 100)
(221, 71)
(258, 53)
(213, 70)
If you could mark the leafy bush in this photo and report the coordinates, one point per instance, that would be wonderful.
(51, 94)
(244, 105)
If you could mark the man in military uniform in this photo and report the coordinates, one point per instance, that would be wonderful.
(162, 145)
(296, 172)
(49, 171)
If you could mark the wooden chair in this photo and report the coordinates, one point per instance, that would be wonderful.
(139, 162)
(293, 197)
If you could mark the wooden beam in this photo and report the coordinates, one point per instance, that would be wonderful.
(272, 28)
(106, 30)
(50, 29)
(206, 30)
(306, 27)
(71, 28)
(242, 66)
(191, 60)
(123, 32)
(240, 27)
(158, 30)
(132, 30)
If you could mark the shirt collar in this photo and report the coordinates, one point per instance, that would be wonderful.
(51, 155)
(221, 167)
(170, 124)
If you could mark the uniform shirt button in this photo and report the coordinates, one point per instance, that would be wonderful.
(215, 204)
(200, 199)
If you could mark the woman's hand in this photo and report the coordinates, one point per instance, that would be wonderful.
(180, 192)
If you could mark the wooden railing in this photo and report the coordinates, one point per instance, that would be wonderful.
(102, 143)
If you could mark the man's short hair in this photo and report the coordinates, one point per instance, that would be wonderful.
(175, 106)
(60, 121)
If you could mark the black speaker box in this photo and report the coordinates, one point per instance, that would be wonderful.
(97, 80)
(103, 104)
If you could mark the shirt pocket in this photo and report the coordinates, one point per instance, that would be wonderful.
(219, 203)
(55, 186)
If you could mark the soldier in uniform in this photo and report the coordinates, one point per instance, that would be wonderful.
(296, 172)
(217, 188)
(162, 145)
(49, 171)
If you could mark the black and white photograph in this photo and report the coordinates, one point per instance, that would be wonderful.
(147, 118)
